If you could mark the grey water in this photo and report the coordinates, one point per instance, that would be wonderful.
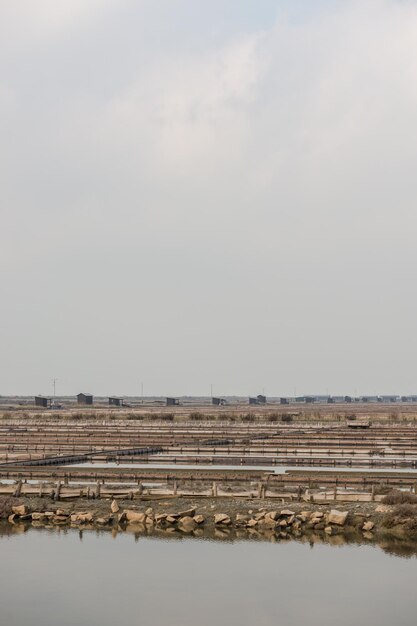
(73, 578)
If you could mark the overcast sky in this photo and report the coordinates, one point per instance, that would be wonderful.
(196, 193)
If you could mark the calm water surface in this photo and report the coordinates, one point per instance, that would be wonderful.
(50, 577)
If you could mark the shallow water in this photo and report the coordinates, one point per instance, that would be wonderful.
(72, 578)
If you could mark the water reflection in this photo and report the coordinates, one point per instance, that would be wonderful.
(150, 577)
(396, 546)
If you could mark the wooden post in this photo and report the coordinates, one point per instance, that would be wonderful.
(98, 489)
(214, 489)
(57, 491)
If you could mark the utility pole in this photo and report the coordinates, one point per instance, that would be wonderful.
(141, 391)
(54, 381)
(211, 391)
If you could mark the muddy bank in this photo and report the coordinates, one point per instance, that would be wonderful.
(190, 516)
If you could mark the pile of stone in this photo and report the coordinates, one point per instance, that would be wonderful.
(286, 520)
(187, 521)
(282, 522)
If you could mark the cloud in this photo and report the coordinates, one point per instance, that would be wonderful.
(261, 183)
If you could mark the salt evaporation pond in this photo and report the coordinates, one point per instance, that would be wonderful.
(67, 578)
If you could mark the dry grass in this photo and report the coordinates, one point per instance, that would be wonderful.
(6, 504)
(396, 496)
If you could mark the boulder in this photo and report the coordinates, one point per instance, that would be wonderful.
(337, 517)
(199, 519)
(61, 512)
(368, 526)
(21, 509)
(135, 516)
(38, 516)
(187, 513)
(222, 518)
(149, 511)
(251, 523)
(171, 519)
(272, 515)
(187, 523)
(241, 518)
(328, 530)
(160, 517)
(287, 512)
(114, 507)
(81, 518)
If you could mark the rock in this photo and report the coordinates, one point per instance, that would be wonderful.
(383, 508)
(328, 530)
(320, 526)
(199, 519)
(317, 515)
(37, 516)
(171, 519)
(21, 509)
(337, 517)
(160, 517)
(61, 512)
(282, 523)
(251, 523)
(287, 512)
(114, 507)
(187, 523)
(241, 518)
(149, 521)
(149, 512)
(187, 513)
(121, 517)
(222, 518)
(11, 518)
(135, 516)
(259, 516)
(368, 526)
(272, 515)
(102, 520)
(81, 518)
(59, 519)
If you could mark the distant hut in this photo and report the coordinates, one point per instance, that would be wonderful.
(43, 401)
(253, 401)
(310, 399)
(85, 398)
(218, 401)
(172, 402)
(115, 401)
(261, 399)
(283, 401)
(348, 399)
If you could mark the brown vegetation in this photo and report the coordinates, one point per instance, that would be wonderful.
(396, 496)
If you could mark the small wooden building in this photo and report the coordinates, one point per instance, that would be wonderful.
(283, 401)
(172, 402)
(43, 401)
(116, 401)
(85, 398)
(218, 401)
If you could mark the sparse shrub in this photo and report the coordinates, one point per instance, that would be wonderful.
(196, 416)
(286, 417)
(403, 514)
(248, 417)
(396, 496)
(6, 503)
